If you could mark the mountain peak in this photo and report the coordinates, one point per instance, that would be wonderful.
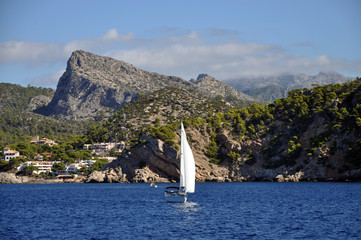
(95, 85)
(202, 78)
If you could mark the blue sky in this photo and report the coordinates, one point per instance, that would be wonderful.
(226, 39)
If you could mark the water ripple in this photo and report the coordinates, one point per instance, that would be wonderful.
(215, 211)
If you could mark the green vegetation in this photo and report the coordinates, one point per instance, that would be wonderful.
(268, 93)
(98, 164)
(315, 124)
(58, 167)
(166, 133)
(163, 107)
(13, 163)
(281, 125)
(28, 170)
(19, 123)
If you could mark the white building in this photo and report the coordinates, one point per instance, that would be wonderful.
(99, 149)
(75, 167)
(89, 163)
(44, 166)
(43, 141)
(10, 154)
(102, 149)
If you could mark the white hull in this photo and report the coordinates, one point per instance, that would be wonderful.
(176, 198)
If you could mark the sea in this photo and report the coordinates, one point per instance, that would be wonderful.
(246, 210)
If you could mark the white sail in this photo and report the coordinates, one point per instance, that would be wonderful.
(187, 165)
(187, 174)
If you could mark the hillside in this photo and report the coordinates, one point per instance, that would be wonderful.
(18, 121)
(270, 88)
(267, 94)
(94, 86)
(17, 98)
(313, 134)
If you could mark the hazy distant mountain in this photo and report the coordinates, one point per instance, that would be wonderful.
(269, 88)
(267, 94)
(93, 86)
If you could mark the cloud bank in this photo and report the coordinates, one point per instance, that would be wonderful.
(181, 53)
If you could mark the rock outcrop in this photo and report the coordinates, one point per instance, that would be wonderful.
(94, 86)
(12, 178)
(208, 85)
(155, 161)
(38, 101)
(111, 175)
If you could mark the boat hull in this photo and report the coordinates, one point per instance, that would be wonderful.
(176, 198)
(175, 194)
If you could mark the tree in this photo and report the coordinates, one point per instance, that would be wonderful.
(233, 156)
(212, 152)
(4, 165)
(83, 170)
(28, 170)
(97, 134)
(98, 164)
(58, 167)
(112, 152)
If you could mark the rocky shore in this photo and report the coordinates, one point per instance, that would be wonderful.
(155, 161)
(11, 178)
(110, 176)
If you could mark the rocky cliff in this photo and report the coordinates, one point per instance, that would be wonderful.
(312, 135)
(94, 85)
(156, 161)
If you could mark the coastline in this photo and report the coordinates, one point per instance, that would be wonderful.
(11, 178)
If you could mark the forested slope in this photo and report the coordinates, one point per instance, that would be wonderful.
(313, 134)
(18, 122)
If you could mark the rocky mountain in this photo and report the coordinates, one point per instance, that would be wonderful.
(269, 88)
(95, 85)
(312, 135)
(268, 94)
(209, 86)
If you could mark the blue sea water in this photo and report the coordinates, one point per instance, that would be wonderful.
(214, 211)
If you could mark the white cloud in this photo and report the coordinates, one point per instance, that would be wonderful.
(30, 53)
(47, 80)
(179, 53)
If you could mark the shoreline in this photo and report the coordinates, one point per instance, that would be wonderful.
(11, 178)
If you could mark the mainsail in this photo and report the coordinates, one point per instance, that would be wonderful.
(187, 165)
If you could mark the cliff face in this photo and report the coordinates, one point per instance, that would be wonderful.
(312, 135)
(94, 85)
(155, 161)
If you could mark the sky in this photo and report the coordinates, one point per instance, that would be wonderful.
(226, 39)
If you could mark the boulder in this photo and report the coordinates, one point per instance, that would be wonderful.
(12, 178)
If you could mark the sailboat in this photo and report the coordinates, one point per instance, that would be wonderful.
(187, 173)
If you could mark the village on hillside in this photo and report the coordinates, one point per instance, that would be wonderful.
(43, 162)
